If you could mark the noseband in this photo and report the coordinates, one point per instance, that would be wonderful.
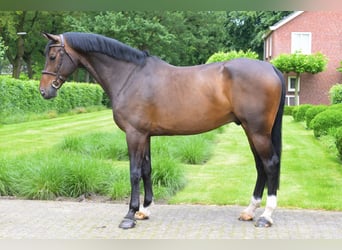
(57, 83)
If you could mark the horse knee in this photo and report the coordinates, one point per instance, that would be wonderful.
(135, 176)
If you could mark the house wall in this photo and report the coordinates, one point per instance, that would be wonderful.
(326, 37)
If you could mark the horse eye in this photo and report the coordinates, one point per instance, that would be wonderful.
(52, 57)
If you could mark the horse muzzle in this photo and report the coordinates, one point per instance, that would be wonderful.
(49, 92)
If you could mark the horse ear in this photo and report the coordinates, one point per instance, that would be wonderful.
(54, 38)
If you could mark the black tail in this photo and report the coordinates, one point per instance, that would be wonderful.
(277, 127)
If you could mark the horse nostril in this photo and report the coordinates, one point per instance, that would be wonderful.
(42, 92)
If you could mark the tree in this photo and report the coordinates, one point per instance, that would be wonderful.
(21, 34)
(3, 49)
(299, 63)
(246, 28)
(179, 37)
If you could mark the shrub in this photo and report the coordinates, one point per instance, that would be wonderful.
(335, 94)
(226, 56)
(288, 110)
(312, 112)
(299, 115)
(338, 137)
(327, 121)
(294, 112)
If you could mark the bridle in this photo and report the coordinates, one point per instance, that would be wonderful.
(59, 80)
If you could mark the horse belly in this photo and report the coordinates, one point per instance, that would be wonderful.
(191, 119)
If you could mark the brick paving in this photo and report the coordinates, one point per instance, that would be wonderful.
(24, 219)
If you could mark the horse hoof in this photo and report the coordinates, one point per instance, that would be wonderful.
(245, 217)
(140, 216)
(127, 223)
(263, 222)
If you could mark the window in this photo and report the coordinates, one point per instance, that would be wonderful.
(301, 42)
(290, 100)
(291, 84)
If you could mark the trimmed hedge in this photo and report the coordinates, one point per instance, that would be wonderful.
(19, 97)
(335, 94)
(288, 110)
(312, 112)
(328, 120)
(298, 112)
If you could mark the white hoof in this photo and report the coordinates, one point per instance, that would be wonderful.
(143, 214)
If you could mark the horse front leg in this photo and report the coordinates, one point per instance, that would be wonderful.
(136, 148)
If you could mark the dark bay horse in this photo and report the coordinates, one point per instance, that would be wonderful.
(151, 97)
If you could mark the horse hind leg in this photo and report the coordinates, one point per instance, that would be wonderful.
(267, 164)
(255, 202)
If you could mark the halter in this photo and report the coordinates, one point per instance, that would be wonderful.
(57, 83)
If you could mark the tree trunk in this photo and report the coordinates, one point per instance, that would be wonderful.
(28, 61)
(296, 89)
(18, 59)
(20, 48)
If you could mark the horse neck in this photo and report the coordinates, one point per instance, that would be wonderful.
(110, 73)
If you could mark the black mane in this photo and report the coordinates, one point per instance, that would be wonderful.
(87, 42)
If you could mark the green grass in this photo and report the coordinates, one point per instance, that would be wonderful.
(88, 147)
(28, 137)
(81, 154)
(311, 175)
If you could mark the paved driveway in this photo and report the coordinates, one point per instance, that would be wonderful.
(92, 220)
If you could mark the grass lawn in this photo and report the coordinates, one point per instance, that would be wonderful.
(28, 137)
(311, 176)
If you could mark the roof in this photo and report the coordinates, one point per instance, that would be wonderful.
(286, 20)
(282, 22)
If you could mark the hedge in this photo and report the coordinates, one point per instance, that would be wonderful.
(18, 97)
(288, 110)
(335, 94)
(298, 112)
(327, 121)
(312, 112)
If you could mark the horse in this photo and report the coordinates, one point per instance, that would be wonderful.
(151, 97)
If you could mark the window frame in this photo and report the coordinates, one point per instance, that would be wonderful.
(294, 43)
(289, 87)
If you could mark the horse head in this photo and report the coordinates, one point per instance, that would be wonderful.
(60, 62)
